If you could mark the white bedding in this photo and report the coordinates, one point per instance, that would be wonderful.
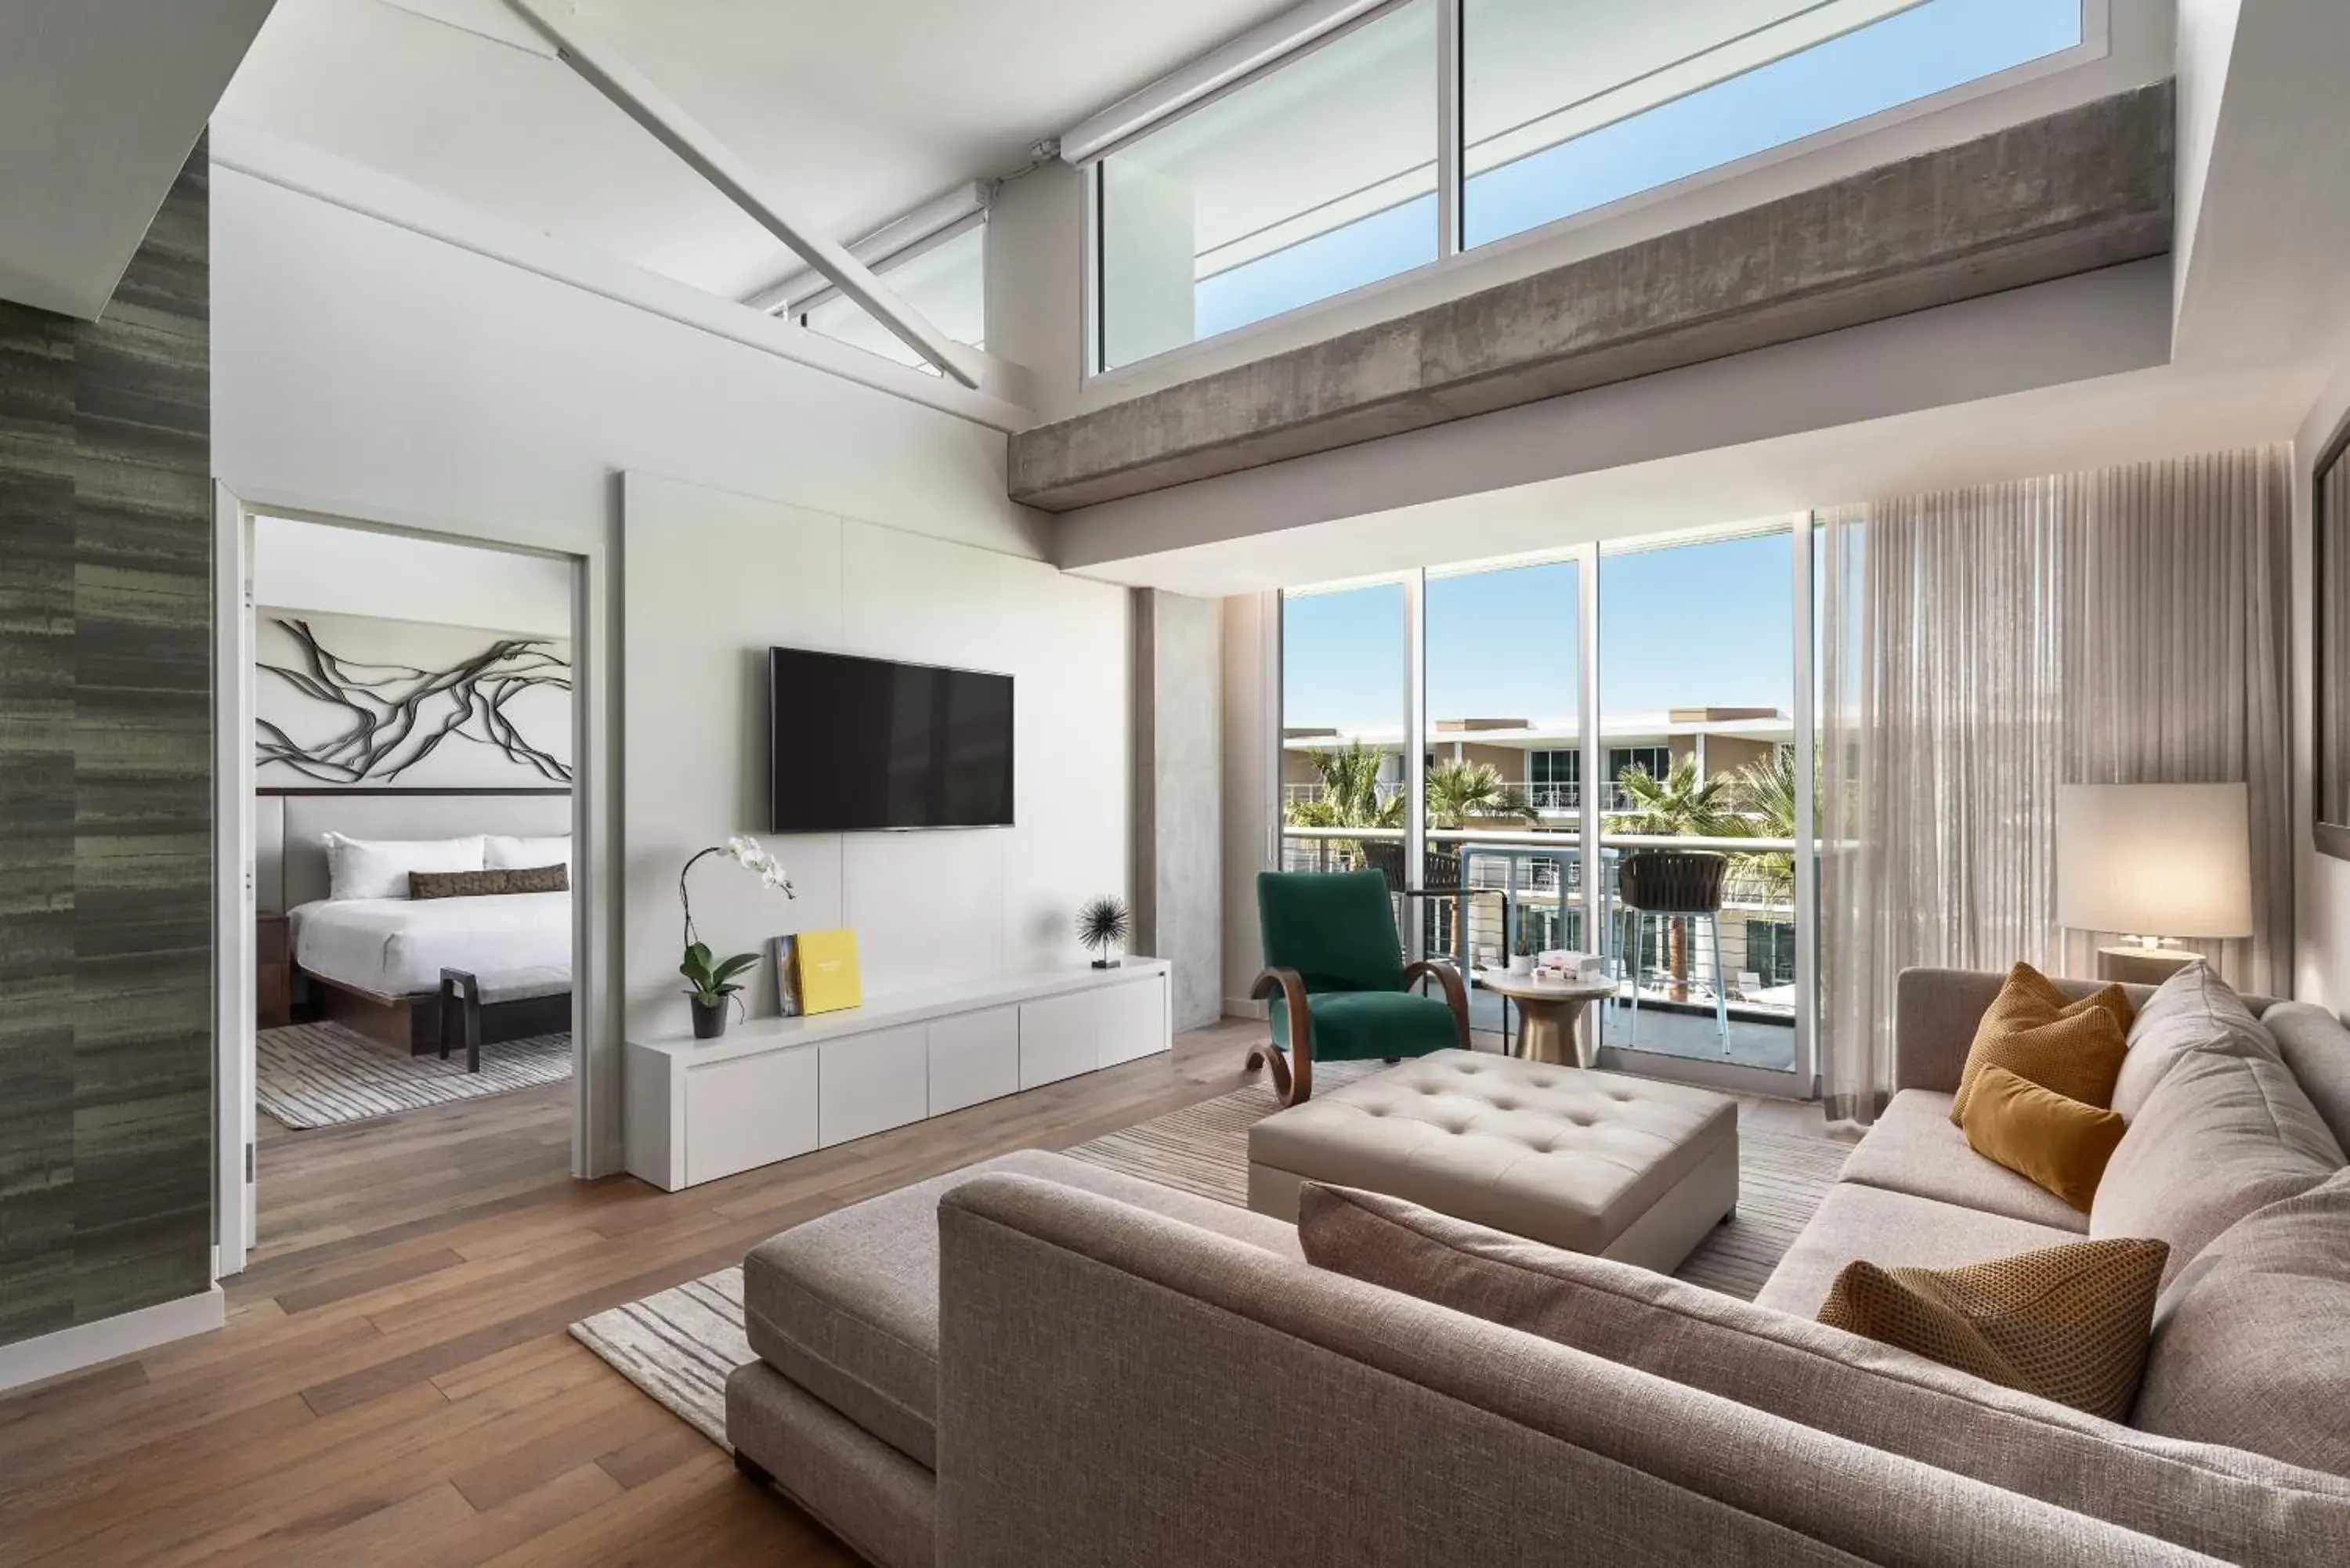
(397, 947)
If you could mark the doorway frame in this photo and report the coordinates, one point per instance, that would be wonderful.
(595, 813)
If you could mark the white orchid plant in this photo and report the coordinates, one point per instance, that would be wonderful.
(710, 981)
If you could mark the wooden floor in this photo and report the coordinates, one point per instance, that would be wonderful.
(395, 1385)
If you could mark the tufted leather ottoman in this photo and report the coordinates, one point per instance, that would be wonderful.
(1595, 1162)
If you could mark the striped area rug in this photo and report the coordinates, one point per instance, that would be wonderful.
(319, 1075)
(679, 1345)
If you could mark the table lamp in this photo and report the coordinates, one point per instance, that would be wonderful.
(2153, 863)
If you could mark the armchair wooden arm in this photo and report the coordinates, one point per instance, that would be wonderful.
(1456, 993)
(1293, 1080)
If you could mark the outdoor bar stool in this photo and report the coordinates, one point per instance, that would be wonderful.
(1675, 884)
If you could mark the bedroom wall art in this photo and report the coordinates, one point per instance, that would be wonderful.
(362, 703)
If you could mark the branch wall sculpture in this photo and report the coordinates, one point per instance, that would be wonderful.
(399, 715)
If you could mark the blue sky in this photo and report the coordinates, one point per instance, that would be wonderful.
(1920, 52)
(1704, 625)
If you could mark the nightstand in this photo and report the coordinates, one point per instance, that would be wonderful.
(273, 971)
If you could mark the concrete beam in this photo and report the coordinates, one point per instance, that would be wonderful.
(2087, 188)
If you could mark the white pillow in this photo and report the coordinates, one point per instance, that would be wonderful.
(379, 868)
(500, 853)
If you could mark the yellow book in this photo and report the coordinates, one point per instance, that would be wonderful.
(827, 971)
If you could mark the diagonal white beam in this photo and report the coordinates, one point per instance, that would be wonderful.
(637, 97)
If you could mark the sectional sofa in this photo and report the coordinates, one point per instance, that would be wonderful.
(1035, 1362)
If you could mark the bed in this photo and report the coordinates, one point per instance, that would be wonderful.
(375, 964)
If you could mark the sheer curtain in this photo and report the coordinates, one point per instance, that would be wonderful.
(1981, 646)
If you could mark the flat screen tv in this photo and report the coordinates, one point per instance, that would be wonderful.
(861, 745)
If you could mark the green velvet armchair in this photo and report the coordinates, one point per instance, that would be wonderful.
(1344, 992)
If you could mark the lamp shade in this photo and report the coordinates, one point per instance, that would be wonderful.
(2155, 860)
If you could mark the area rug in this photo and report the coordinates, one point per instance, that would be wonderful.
(321, 1075)
(679, 1345)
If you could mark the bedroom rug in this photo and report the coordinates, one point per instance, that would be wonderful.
(322, 1075)
(679, 1345)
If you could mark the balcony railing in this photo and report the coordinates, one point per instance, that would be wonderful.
(1483, 892)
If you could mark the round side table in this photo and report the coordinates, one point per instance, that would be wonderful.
(1548, 1011)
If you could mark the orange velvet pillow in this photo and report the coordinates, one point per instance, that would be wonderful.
(2054, 1142)
(2040, 1034)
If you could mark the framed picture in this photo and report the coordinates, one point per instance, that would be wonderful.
(2329, 685)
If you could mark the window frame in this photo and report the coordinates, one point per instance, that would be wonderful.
(2096, 45)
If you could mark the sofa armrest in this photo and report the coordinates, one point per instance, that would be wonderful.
(1935, 1012)
(1115, 1387)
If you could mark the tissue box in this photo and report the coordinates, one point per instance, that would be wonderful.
(1568, 961)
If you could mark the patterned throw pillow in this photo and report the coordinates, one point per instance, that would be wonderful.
(479, 884)
(2043, 1037)
(2069, 1323)
(538, 879)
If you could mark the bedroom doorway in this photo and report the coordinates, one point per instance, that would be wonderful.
(408, 719)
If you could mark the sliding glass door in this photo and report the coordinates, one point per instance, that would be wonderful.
(1595, 752)
(1698, 833)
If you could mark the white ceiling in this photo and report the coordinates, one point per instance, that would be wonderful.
(100, 101)
(858, 110)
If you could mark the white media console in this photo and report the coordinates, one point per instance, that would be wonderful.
(695, 1110)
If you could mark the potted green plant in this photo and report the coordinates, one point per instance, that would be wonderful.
(711, 983)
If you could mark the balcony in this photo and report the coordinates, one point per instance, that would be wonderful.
(1487, 891)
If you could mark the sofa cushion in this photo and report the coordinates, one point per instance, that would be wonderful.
(2252, 1346)
(2035, 1031)
(1913, 1147)
(1894, 1231)
(2193, 1009)
(2221, 1136)
(2058, 1144)
(848, 1305)
(2067, 1323)
(2317, 1047)
(2232, 1505)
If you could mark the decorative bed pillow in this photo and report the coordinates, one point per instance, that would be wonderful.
(2194, 1010)
(501, 853)
(2040, 1034)
(2219, 1137)
(2069, 1323)
(2252, 1345)
(478, 883)
(380, 868)
(2056, 1143)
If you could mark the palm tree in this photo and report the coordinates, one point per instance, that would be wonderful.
(1765, 795)
(1680, 803)
(1351, 795)
(1459, 791)
(1350, 790)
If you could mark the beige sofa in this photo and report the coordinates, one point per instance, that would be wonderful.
(1036, 1363)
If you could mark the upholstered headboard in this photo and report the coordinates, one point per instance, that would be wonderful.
(289, 830)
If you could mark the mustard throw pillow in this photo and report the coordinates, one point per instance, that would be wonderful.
(2040, 1034)
(2069, 1323)
(2055, 1142)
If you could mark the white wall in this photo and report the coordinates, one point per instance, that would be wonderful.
(2322, 919)
(362, 370)
(395, 577)
(931, 908)
(1252, 703)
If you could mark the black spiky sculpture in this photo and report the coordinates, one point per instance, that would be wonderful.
(1101, 926)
